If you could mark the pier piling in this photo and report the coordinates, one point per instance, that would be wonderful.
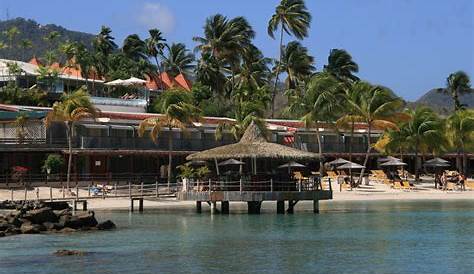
(280, 207)
(316, 206)
(254, 207)
(198, 206)
(225, 207)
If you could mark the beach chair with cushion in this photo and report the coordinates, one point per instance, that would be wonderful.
(407, 185)
(469, 184)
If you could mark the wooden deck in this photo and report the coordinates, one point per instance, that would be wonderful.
(254, 196)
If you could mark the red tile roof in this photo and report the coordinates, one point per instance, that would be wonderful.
(165, 81)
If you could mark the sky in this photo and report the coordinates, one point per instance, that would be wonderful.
(410, 46)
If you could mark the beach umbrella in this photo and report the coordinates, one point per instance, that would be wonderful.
(393, 163)
(351, 165)
(338, 161)
(133, 81)
(388, 159)
(291, 164)
(118, 82)
(231, 162)
(437, 162)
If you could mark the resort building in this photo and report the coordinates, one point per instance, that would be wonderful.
(111, 145)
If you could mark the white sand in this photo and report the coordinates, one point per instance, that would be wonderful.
(376, 191)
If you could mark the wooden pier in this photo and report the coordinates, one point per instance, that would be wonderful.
(285, 194)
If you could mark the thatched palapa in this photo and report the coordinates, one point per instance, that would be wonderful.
(252, 145)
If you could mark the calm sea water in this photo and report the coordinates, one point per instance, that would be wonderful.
(350, 237)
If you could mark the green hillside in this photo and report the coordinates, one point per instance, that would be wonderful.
(34, 32)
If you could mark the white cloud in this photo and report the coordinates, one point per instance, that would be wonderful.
(156, 15)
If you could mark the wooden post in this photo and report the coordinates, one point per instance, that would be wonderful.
(299, 185)
(37, 193)
(141, 190)
(225, 207)
(77, 191)
(209, 185)
(62, 187)
(316, 206)
(156, 187)
(88, 190)
(280, 207)
(330, 186)
(214, 208)
(198, 206)
(241, 184)
(115, 189)
(140, 205)
(51, 193)
(130, 192)
(271, 184)
(12, 193)
(84, 205)
(131, 204)
(26, 193)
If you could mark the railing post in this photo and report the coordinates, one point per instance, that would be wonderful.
(12, 193)
(209, 185)
(26, 192)
(330, 186)
(130, 189)
(271, 184)
(77, 191)
(115, 189)
(299, 185)
(241, 184)
(51, 193)
(156, 186)
(37, 193)
(141, 190)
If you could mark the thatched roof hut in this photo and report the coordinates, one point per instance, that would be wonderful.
(252, 145)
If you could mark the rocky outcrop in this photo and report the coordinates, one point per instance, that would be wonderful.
(65, 252)
(35, 217)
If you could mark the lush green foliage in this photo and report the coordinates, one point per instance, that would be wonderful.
(53, 164)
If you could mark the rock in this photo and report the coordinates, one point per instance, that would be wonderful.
(64, 252)
(30, 229)
(52, 226)
(87, 220)
(4, 226)
(106, 225)
(57, 205)
(67, 230)
(12, 231)
(62, 212)
(39, 216)
(2, 234)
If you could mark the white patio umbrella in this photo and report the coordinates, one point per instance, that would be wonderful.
(388, 159)
(118, 82)
(133, 81)
(231, 162)
(394, 163)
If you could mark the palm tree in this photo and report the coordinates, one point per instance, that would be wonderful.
(253, 72)
(72, 108)
(20, 123)
(297, 63)
(292, 17)
(224, 38)
(11, 34)
(134, 48)
(460, 132)
(341, 65)
(178, 60)
(104, 45)
(155, 45)
(320, 103)
(176, 114)
(52, 38)
(457, 84)
(212, 72)
(25, 44)
(422, 131)
(375, 106)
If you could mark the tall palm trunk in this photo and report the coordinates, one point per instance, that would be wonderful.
(69, 161)
(170, 156)
(350, 150)
(367, 155)
(464, 159)
(320, 151)
(277, 73)
(417, 174)
(158, 66)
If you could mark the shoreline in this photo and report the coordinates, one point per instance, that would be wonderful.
(365, 193)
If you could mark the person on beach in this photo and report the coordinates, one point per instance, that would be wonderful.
(462, 181)
(444, 180)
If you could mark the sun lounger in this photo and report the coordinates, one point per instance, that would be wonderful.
(450, 186)
(407, 185)
(469, 184)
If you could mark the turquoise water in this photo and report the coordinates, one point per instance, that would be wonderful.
(350, 237)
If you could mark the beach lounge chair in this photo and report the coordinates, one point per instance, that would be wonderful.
(469, 184)
(407, 185)
(450, 186)
(398, 185)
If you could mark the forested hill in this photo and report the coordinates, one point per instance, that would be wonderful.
(442, 102)
(34, 32)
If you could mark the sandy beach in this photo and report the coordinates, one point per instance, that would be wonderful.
(373, 192)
